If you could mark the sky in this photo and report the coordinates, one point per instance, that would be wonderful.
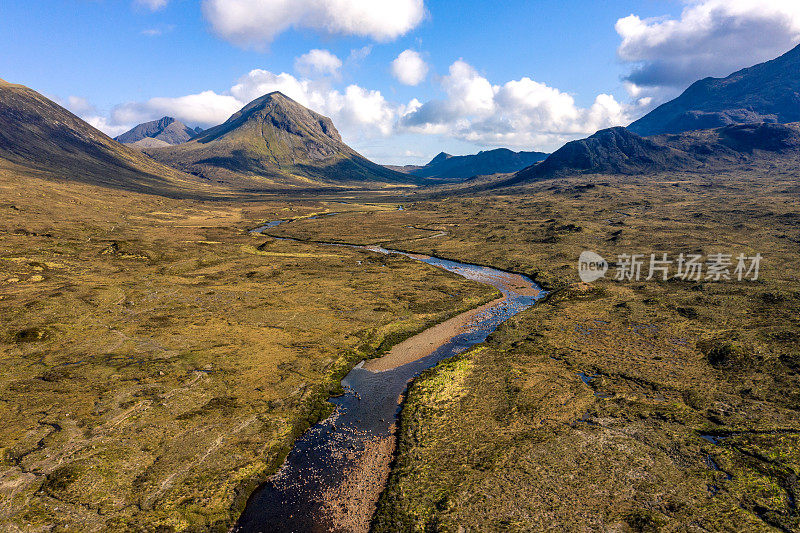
(402, 79)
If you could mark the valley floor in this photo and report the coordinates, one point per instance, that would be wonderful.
(158, 360)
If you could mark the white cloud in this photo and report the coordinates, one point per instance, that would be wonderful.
(85, 110)
(362, 109)
(153, 5)
(103, 124)
(207, 109)
(519, 113)
(255, 23)
(259, 82)
(468, 90)
(711, 38)
(80, 106)
(318, 62)
(409, 68)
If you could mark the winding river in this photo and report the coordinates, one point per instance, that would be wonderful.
(332, 478)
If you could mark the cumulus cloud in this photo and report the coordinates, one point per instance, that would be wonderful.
(519, 113)
(255, 23)
(87, 111)
(259, 82)
(409, 68)
(107, 127)
(206, 108)
(153, 5)
(318, 62)
(711, 38)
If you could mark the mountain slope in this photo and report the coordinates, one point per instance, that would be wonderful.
(166, 129)
(614, 150)
(502, 160)
(619, 151)
(768, 92)
(276, 141)
(38, 135)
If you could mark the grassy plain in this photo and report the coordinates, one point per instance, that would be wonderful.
(156, 360)
(623, 406)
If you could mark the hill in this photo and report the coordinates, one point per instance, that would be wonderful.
(166, 129)
(767, 92)
(274, 141)
(619, 151)
(454, 168)
(39, 136)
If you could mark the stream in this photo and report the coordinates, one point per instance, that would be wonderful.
(332, 478)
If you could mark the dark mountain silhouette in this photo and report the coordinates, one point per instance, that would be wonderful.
(619, 151)
(166, 129)
(41, 137)
(768, 92)
(276, 141)
(455, 168)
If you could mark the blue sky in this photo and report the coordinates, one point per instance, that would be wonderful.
(524, 74)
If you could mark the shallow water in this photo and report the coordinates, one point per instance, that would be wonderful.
(334, 474)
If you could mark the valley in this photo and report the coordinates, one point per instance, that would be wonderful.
(250, 326)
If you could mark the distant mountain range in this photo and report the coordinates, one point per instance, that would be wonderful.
(457, 168)
(159, 133)
(41, 137)
(768, 92)
(275, 141)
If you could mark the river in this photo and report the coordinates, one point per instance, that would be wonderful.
(332, 478)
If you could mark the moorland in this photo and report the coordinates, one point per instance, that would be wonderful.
(158, 359)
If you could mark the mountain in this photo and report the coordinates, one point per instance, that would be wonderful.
(500, 161)
(738, 143)
(38, 136)
(166, 129)
(768, 92)
(274, 140)
(619, 151)
(613, 150)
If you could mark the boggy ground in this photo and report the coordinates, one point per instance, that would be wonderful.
(156, 360)
(620, 406)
